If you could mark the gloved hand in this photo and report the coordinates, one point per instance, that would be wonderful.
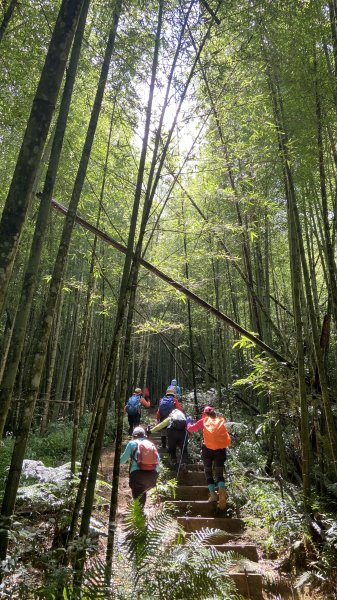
(189, 420)
(148, 430)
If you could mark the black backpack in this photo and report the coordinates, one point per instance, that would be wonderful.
(178, 422)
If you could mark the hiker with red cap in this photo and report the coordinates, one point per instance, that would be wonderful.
(133, 408)
(215, 441)
(166, 405)
(144, 464)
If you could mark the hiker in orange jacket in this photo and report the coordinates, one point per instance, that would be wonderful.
(215, 441)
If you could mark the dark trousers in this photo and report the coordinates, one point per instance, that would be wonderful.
(176, 439)
(163, 437)
(140, 482)
(214, 461)
(134, 421)
(163, 434)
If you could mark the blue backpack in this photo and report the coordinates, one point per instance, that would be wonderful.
(133, 405)
(166, 406)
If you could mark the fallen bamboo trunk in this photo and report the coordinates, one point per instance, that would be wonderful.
(178, 286)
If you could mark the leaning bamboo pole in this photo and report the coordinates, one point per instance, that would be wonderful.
(178, 286)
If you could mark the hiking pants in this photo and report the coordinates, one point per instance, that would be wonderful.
(214, 461)
(175, 439)
(134, 421)
(140, 482)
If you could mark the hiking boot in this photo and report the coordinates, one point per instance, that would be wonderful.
(222, 498)
(212, 497)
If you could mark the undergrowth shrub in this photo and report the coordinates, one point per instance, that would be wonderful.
(154, 564)
(6, 449)
(283, 518)
(54, 447)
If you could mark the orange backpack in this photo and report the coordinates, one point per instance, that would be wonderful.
(146, 455)
(215, 433)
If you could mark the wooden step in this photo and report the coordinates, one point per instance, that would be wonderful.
(221, 538)
(194, 467)
(196, 508)
(223, 523)
(248, 585)
(191, 492)
(247, 550)
(192, 478)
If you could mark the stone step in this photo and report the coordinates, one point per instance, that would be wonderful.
(247, 550)
(191, 492)
(223, 523)
(248, 585)
(197, 508)
(192, 478)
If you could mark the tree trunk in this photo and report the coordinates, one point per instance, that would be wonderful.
(30, 278)
(181, 288)
(293, 212)
(7, 17)
(16, 205)
(55, 285)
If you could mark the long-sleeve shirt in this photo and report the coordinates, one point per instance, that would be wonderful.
(176, 405)
(145, 403)
(131, 452)
(191, 427)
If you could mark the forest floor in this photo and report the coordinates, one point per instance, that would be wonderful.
(269, 568)
(46, 524)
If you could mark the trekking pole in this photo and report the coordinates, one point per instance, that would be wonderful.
(229, 475)
(182, 453)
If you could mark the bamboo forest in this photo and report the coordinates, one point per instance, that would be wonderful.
(168, 299)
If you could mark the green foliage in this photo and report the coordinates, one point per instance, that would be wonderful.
(160, 566)
(6, 449)
(271, 378)
(282, 517)
(59, 584)
(165, 487)
(54, 447)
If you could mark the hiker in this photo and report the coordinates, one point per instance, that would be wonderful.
(166, 405)
(144, 464)
(215, 441)
(133, 408)
(177, 435)
(177, 387)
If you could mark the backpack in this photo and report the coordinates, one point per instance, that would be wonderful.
(146, 455)
(133, 405)
(166, 406)
(215, 433)
(178, 422)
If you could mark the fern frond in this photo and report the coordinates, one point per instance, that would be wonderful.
(303, 579)
(191, 570)
(94, 585)
(206, 535)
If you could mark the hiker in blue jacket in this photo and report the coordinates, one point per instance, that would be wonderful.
(177, 387)
(133, 408)
(144, 464)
